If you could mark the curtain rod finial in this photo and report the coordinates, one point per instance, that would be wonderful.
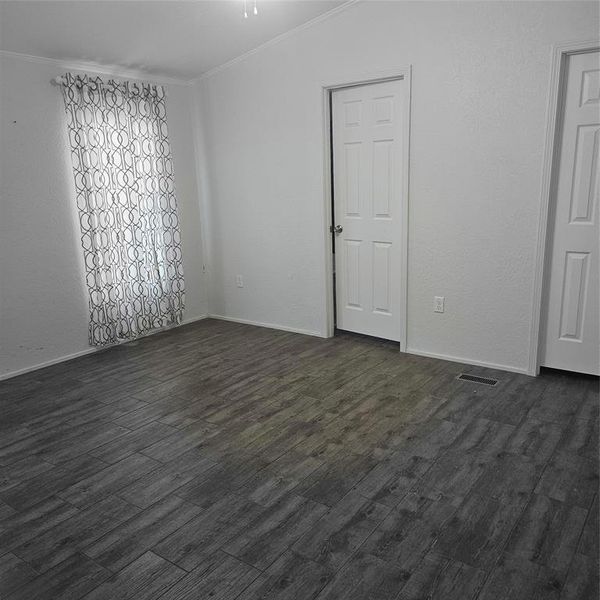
(60, 80)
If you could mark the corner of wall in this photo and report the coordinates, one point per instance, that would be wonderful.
(203, 186)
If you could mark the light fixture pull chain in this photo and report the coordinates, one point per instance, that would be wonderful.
(255, 8)
(245, 9)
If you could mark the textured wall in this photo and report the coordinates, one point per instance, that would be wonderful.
(480, 89)
(479, 95)
(43, 302)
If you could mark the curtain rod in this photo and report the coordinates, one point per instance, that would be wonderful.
(62, 80)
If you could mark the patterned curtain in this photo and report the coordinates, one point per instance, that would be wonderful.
(127, 208)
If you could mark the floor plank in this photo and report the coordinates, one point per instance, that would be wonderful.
(72, 578)
(145, 578)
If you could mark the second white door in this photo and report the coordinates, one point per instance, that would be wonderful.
(572, 338)
(369, 143)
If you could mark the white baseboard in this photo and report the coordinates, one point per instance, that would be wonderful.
(468, 361)
(268, 325)
(193, 320)
(66, 357)
(459, 359)
(47, 363)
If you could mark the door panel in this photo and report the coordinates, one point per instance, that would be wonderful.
(352, 170)
(574, 293)
(381, 277)
(352, 275)
(585, 174)
(572, 336)
(368, 144)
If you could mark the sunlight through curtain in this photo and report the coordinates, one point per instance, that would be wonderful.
(124, 183)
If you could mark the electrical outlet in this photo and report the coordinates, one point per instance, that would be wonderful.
(239, 281)
(438, 304)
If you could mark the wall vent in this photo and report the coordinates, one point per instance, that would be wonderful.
(477, 379)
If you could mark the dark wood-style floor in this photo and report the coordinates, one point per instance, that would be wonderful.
(222, 461)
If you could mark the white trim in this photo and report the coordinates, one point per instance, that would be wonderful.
(467, 361)
(362, 78)
(275, 40)
(350, 78)
(553, 110)
(327, 215)
(112, 70)
(190, 320)
(267, 325)
(67, 357)
(47, 363)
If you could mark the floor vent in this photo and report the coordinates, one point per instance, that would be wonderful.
(477, 379)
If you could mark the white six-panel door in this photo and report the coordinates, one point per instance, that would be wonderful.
(572, 338)
(368, 145)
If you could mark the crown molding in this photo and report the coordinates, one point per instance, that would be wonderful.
(92, 67)
(283, 36)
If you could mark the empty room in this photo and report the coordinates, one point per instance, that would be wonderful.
(299, 300)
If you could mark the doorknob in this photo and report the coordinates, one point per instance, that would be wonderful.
(338, 229)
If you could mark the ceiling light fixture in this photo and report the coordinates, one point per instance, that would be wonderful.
(254, 10)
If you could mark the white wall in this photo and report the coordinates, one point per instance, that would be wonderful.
(480, 87)
(43, 301)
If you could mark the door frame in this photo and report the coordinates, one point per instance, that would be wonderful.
(558, 72)
(326, 88)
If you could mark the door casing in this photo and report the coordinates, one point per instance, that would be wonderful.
(326, 88)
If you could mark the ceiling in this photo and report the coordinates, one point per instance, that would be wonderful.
(181, 39)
